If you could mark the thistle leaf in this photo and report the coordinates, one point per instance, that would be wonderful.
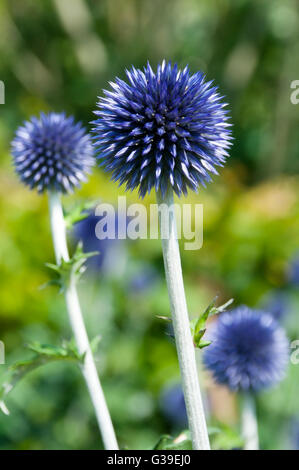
(181, 442)
(198, 325)
(43, 354)
(168, 319)
(94, 343)
(79, 212)
(71, 270)
(224, 437)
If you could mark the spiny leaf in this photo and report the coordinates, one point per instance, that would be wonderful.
(181, 442)
(204, 344)
(4, 408)
(223, 307)
(71, 270)
(52, 282)
(79, 212)
(164, 318)
(163, 440)
(68, 350)
(224, 437)
(198, 325)
(43, 354)
(94, 343)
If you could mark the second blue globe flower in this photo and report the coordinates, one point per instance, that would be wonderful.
(52, 152)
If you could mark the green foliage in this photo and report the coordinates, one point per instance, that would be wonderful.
(71, 270)
(94, 343)
(198, 325)
(78, 212)
(181, 442)
(224, 437)
(43, 354)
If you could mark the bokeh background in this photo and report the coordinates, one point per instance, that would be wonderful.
(58, 55)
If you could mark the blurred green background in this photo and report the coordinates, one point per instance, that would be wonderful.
(58, 55)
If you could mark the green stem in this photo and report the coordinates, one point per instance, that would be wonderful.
(77, 323)
(181, 324)
(249, 422)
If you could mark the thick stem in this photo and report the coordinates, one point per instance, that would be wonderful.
(249, 422)
(181, 323)
(77, 323)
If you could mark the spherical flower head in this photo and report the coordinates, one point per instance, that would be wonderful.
(52, 152)
(162, 129)
(249, 350)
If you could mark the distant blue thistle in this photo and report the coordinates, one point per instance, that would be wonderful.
(85, 231)
(52, 152)
(163, 128)
(249, 351)
(173, 405)
(111, 250)
(293, 272)
(294, 431)
(277, 303)
(144, 279)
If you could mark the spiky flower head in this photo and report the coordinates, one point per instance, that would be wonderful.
(249, 350)
(160, 129)
(52, 152)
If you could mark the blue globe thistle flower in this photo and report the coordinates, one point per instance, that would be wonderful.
(112, 254)
(173, 405)
(160, 129)
(249, 350)
(52, 152)
(143, 279)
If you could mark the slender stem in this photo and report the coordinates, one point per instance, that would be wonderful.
(181, 323)
(77, 323)
(249, 422)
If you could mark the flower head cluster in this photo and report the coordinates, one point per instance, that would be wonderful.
(249, 350)
(160, 129)
(52, 152)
